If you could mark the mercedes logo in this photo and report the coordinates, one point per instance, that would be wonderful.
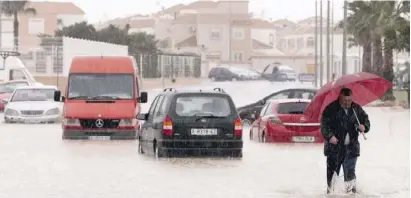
(99, 123)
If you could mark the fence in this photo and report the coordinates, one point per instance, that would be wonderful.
(168, 65)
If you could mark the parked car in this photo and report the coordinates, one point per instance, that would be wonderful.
(283, 121)
(7, 88)
(248, 112)
(191, 122)
(33, 104)
(223, 73)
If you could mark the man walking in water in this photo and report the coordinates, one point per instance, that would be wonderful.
(340, 129)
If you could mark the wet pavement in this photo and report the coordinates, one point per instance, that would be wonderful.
(35, 162)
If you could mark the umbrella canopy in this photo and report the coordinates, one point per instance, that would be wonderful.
(366, 88)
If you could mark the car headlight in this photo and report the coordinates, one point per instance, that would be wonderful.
(53, 111)
(11, 112)
(128, 122)
(71, 122)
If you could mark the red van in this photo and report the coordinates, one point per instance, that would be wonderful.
(102, 99)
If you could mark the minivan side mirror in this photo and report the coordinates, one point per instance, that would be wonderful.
(58, 97)
(5, 100)
(143, 97)
(142, 116)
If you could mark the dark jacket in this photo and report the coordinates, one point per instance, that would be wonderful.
(335, 122)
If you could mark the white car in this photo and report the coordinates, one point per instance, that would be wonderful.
(33, 104)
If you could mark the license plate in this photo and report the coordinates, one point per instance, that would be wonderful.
(303, 139)
(203, 131)
(98, 137)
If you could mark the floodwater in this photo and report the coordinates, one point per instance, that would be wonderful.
(35, 162)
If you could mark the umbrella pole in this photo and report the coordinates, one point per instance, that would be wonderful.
(356, 117)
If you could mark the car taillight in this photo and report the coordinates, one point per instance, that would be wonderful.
(168, 126)
(275, 121)
(238, 127)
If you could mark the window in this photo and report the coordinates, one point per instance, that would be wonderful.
(238, 56)
(36, 26)
(7, 41)
(238, 33)
(271, 38)
(6, 25)
(291, 43)
(152, 108)
(292, 108)
(304, 95)
(104, 86)
(11, 86)
(263, 110)
(33, 95)
(215, 34)
(281, 95)
(202, 105)
(269, 109)
(158, 106)
(310, 42)
(163, 107)
(300, 42)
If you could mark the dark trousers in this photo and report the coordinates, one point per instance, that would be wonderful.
(334, 163)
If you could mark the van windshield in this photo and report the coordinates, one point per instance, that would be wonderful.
(101, 86)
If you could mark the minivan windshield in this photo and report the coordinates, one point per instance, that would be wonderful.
(101, 86)
(203, 105)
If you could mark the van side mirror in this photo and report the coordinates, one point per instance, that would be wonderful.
(58, 97)
(142, 116)
(4, 101)
(143, 97)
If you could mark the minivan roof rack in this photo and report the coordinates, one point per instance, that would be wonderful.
(169, 89)
(219, 89)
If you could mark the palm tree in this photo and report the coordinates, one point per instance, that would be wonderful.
(360, 30)
(13, 8)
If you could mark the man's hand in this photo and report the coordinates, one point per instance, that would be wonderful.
(333, 140)
(361, 128)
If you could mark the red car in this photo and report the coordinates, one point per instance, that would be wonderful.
(283, 121)
(7, 88)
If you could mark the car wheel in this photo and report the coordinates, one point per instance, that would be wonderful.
(246, 122)
(157, 153)
(263, 137)
(140, 147)
(238, 154)
(251, 135)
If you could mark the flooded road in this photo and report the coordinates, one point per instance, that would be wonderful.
(35, 162)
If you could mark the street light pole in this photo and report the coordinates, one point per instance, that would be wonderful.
(332, 40)
(328, 41)
(229, 33)
(321, 44)
(316, 44)
(344, 50)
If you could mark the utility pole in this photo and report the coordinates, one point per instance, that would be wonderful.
(344, 50)
(229, 33)
(328, 41)
(321, 44)
(332, 39)
(316, 44)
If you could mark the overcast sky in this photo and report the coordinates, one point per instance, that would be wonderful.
(101, 10)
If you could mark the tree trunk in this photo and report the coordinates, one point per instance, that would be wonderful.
(16, 31)
(388, 70)
(366, 58)
(377, 63)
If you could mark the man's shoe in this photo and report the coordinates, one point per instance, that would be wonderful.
(329, 190)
